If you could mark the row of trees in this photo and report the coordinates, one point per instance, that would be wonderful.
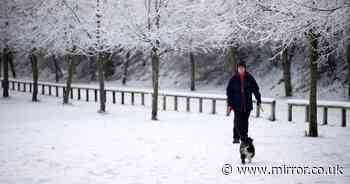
(101, 28)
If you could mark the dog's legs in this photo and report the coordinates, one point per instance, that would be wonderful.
(243, 158)
(249, 159)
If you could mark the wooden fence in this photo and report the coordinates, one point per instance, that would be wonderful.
(53, 89)
(343, 106)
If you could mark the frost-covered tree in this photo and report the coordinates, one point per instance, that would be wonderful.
(101, 28)
(205, 26)
(44, 28)
(61, 28)
(6, 20)
(184, 26)
(323, 24)
(149, 31)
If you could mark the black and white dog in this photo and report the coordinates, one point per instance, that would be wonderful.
(247, 149)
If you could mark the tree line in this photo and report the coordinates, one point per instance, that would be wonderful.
(98, 29)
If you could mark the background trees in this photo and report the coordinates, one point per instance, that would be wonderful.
(322, 24)
(100, 29)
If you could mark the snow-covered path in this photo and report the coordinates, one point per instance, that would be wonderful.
(47, 142)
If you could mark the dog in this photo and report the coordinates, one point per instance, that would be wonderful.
(247, 149)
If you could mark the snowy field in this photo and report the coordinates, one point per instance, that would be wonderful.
(47, 142)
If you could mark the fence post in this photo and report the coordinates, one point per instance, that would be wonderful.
(95, 91)
(24, 87)
(63, 91)
(30, 87)
(71, 93)
(132, 98)
(87, 94)
(79, 94)
(273, 111)
(325, 115)
(56, 91)
(43, 89)
(113, 94)
(343, 113)
(175, 103)
(213, 106)
(187, 104)
(200, 105)
(13, 85)
(18, 86)
(143, 99)
(164, 102)
(307, 113)
(123, 95)
(105, 94)
(50, 92)
(290, 112)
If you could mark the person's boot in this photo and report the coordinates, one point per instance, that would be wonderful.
(235, 141)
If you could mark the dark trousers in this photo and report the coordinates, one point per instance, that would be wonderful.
(240, 125)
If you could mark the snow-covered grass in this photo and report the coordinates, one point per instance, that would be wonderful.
(47, 142)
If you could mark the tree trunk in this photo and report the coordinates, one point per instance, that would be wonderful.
(92, 67)
(58, 71)
(69, 79)
(313, 84)
(286, 73)
(5, 82)
(101, 82)
(126, 65)
(12, 66)
(232, 59)
(155, 82)
(348, 60)
(193, 72)
(144, 62)
(108, 65)
(1, 55)
(155, 65)
(35, 71)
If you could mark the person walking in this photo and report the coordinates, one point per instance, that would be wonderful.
(239, 98)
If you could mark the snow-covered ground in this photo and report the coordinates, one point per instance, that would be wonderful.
(47, 142)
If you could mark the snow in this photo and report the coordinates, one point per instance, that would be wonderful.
(47, 142)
